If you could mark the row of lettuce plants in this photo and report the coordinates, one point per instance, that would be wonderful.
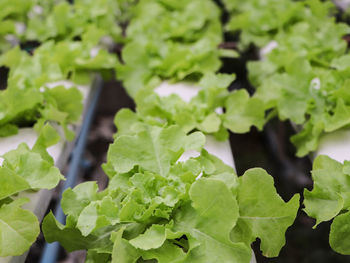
(157, 207)
(68, 40)
(303, 76)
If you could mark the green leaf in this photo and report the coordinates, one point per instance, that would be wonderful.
(217, 80)
(48, 136)
(208, 224)
(169, 252)
(153, 149)
(66, 100)
(71, 238)
(19, 229)
(216, 206)
(75, 200)
(263, 211)
(339, 237)
(11, 183)
(307, 140)
(123, 252)
(242, 112)
(97, 215)
(339, 118)
(207, 247)
(87, 219)
(154, 237)
(32, 167)
(331, 190)
(210, 124)
(8, 130)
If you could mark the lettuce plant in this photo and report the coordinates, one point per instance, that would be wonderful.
(24, 169)
(159, 207)
(329, 199)
(181, 44)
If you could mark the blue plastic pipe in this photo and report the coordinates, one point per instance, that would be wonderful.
(50, 252)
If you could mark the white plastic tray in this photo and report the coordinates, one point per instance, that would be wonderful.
(222, 150)
(336, 145)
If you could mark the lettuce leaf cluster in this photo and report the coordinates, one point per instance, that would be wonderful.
(24, 169)
(28, 100)
(13, 16)
(212, 111)
(303, 78)
(330, 199)
(159, 207)
(259, 22)
(38, 20)
(181, 43)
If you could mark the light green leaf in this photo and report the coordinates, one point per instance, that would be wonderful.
(75, 200)
(123, 252)
(168, 252)
(19, 229)
(11, 183)
(71, 238)
(216, 206)
(210, 124)
(153, 149)
(242, 112)
(331, 191)
(210, 222)
(263, 211)
(32, 167)
(154, 237)
(339, 237)
(87, 219)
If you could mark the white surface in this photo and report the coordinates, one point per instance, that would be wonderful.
(187, 155)
(342, 4)
(315, 83)
(28, 136)
(267, 49)
(222, 150)
(336, 145)
(94, 51)
(185, 90)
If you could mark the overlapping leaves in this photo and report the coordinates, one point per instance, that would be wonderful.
(156, 207)
(213, 110)
(27, 99)
(303, 68)
(258, 26)
(306, 82)
(24, 169)
(38, 20)
(181, 44)
(330, 199)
